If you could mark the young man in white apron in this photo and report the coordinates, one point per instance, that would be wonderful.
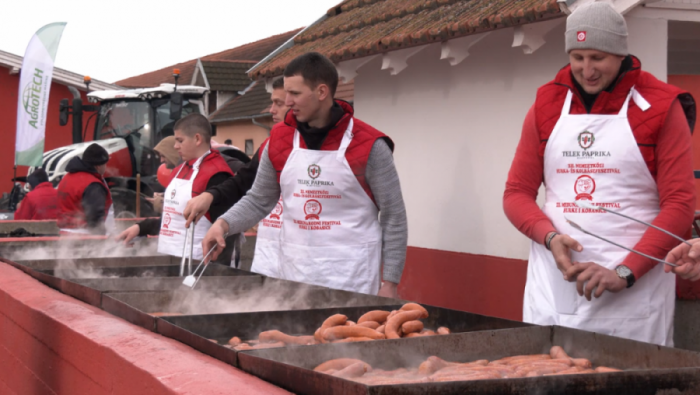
(200, 166)
(334, 173)
(609, 134)
(229, 192)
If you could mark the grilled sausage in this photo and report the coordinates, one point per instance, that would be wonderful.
(337, 364)
(381, 328)
(234, 341)
(341, 332)
(411, 327)
(604, 369)
(415, 307)
(350, 323)
(557, 352)
(369, 324)
(268, 345)
(374, 315)
(277, 336)
(355, 370)
(519, 358)
(243, 347)
(443, 330)
(334, 320)
(352, 340)
(393, 323)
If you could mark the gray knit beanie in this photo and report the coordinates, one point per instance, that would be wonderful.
(597, 26)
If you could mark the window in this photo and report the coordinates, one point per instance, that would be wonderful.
(249, 149)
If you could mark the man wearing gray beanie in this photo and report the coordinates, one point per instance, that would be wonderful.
(603, 134)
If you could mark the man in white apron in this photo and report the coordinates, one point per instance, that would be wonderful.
(84, 200)
(333, 173)
(609, 134)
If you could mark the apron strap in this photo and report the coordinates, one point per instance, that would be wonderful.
(566, 109)
(296, 139)
(347, 138)
(639, 100)
(623, 110)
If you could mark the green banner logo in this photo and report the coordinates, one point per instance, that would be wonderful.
(32, 97)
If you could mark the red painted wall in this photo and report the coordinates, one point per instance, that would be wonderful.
(56, 136)
(476, 283)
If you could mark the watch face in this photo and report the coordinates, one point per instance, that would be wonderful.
(623, 271)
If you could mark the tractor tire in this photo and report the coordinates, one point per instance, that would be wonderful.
(124, 201)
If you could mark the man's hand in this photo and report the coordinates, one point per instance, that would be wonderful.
(688, 259)
(156, 201)
(593, 277)
(129, 234)
(389, 290)
(215, 236)
(197, 207)
(561, 246)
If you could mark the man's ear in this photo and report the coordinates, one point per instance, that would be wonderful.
(323, 91)
(198, 140)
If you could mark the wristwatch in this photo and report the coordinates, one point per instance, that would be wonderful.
(626, 274)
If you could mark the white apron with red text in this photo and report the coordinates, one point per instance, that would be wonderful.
(330, 234)
(596, 158)
(172, 227)
(267, 243)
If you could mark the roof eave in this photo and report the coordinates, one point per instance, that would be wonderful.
(243, 118)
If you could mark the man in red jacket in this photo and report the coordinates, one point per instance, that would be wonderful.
(84, 200)
(41, 201)
(606, 133)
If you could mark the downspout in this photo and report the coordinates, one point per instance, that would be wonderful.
(256, 123)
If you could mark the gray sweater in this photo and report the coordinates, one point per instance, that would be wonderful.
(383, 180)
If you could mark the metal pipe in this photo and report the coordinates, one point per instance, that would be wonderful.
(138, 195)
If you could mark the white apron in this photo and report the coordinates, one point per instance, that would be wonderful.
(330, 235)
(171, 239)
(267, 243)
(596, 158)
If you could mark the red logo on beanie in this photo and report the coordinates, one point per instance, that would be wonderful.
(581, 36)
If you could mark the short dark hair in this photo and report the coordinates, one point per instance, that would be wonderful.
(228, 141)
(315, 69)
(194, 123)
(278, 84)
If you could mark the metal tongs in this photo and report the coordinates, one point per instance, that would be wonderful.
(592, 207)
(189, 238)
(190, 280)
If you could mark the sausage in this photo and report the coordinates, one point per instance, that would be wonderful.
(540, 371)
(374, 315)
(214, 341)
(268, 345)
(467, 377)
(234, 341)
(350, 323)
(572, 370)
(393, 313)
(381, 328)
(337, 364)
(334, 320)
(519, 358)
(604, 369)
(243, 347)
(352, 340)
(355, 370)
(393, 323)
(433, 364)
(341, 332)
(443, 330)
(582, 363)
(411, 327)
(277, 336)
(557, 352)
(369, 324)
(415, 307)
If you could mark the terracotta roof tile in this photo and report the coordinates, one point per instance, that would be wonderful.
(252, 52)
(358, 28)
(227, 75)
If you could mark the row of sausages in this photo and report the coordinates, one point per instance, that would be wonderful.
(435, 369)
(373, 325)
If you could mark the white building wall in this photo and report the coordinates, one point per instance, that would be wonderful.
(456, 129)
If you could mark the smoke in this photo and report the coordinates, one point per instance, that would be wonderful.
(65, 248)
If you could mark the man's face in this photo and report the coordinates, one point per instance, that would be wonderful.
(101, 169)
(304, 101)
(279, 108)
(594, 70)
(187, 146)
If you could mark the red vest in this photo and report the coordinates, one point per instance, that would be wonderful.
(70, 197)
(281, 143)
(645, 125)
(211, 165)
(39, 204)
